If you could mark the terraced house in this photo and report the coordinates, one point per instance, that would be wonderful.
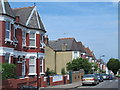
(22, 39)
(59, 52)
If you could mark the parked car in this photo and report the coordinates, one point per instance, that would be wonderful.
(110, 77)
(90, 79)
(105, 76)
(99, 76)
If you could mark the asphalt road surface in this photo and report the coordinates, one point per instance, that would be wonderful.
(105, 84)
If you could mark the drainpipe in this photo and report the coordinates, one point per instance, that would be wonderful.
(55, 62)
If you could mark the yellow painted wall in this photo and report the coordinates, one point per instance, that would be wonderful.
(49, 58)
(62, 59)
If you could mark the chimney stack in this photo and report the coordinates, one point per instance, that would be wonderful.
(17, 19)
(46, 40)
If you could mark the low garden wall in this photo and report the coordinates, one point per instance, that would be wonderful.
(17, 83)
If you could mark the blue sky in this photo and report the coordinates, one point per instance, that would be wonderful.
(93, 23)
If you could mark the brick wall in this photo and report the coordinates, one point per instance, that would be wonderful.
(16, 83)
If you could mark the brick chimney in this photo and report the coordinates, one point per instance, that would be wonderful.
(64, 46)
(17, 19)
(46, 39)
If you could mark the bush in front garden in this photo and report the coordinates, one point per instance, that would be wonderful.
(8, 71)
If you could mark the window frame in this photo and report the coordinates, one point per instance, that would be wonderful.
(41, 38)
(8, 30)
(9, 58)
(23, 38)
(32, 39)
(34, 73)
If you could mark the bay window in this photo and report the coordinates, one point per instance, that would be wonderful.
(32, 39)
(41, 37)
(8, 29)
(24, 38)
(32, 65)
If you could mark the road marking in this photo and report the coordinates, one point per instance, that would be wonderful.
(116, 80)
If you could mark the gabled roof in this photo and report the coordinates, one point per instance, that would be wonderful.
(94, 56)
(89, 52)
(6, 9)
(81, 47)
(70, 43)
(23, 13)
(28, 16)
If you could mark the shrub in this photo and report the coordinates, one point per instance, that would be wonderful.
(49, 72)
(63, 71)
(8, 71)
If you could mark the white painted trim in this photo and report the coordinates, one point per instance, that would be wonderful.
(32, 74)
(37, 18)
(3, 5)
(23, 38)
(6, 18)
(34, 39)
(30, 16)
(13, 52)
(33, 64)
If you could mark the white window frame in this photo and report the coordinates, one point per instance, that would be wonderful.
(8, 39)
(9, 58)
(24, 38)
(31, 65)
(32, 39)
(41, 65)
(76, 54)
(41, 38)
(23, 66)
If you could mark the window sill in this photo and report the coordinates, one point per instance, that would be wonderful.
(32, 74)
(32, 47)
(8, 40)
(19, 61)
(25, 46)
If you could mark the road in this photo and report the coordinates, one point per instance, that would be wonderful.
(104, 84)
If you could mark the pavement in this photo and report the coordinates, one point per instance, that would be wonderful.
(70, 86)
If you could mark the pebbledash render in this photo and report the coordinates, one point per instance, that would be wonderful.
(22, 39)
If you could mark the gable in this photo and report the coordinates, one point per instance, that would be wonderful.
(34, 20)
(33, 23)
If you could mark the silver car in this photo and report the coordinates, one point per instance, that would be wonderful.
(90, 79)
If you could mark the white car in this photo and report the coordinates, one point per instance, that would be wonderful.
(90, 79)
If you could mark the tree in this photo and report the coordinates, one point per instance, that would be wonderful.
(78, 64)
(95, 66)
(113, 65)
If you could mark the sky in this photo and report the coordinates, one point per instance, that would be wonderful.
(93, 23)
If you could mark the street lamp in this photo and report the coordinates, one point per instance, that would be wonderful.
(37, 72)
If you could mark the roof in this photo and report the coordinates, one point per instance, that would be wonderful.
(81, 47)
(100, 60)
(8, 10)
(89, 52)
(23, 13)
(28, 16)
(94, 56)
(67, 44)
